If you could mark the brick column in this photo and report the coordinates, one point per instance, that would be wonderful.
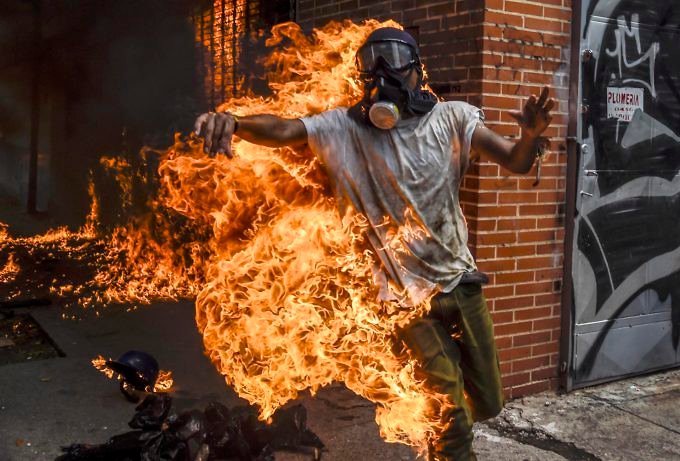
(518, 228)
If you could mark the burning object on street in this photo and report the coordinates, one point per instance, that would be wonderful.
(217, 433)
(138, 373)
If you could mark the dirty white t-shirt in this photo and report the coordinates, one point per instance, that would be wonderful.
(408, 176)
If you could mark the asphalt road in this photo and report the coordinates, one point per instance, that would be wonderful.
(45, 404)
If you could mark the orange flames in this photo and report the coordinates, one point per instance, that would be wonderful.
(10, 271)
(285, 298)
(164, 381)
(99, 363)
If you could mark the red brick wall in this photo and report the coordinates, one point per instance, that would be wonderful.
(494, 54)
(518, 229)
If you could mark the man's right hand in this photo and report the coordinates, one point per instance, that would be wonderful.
(263, 129)
(216, 129)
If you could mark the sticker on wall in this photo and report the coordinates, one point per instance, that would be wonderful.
(623, 102)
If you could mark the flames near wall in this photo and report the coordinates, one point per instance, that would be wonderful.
(283, 284)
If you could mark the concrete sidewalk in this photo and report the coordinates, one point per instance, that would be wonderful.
(49, 403)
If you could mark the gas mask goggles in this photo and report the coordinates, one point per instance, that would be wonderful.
(384, 66)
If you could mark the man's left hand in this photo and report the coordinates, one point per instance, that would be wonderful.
(535, 117)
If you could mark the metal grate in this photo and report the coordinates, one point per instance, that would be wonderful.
(224, 35)
(221, 27)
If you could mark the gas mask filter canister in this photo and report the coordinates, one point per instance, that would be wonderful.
(384, 114)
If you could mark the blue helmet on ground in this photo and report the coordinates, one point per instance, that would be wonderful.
(137, 368)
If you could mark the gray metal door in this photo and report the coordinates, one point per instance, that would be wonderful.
(626, 239)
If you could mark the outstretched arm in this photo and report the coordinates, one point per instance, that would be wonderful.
(517, 156)
(266, 130)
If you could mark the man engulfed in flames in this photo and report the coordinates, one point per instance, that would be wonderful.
(395, 161)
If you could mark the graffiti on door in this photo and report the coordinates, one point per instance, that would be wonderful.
(627, 234)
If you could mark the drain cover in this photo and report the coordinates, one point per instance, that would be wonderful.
(22, 340)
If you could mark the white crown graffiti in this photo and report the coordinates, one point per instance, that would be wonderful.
(620, 52)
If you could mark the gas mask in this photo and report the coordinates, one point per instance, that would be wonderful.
(384, 62)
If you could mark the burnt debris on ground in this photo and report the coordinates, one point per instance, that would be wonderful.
(217, 433)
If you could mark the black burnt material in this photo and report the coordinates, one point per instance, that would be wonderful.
(217, 433)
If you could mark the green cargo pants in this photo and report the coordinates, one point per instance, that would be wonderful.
(456, 351)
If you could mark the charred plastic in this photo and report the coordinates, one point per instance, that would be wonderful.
(217, 433)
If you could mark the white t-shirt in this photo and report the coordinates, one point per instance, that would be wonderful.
(407, 176)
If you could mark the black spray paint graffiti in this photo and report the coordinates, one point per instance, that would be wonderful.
(629, 224)
(638, 50)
